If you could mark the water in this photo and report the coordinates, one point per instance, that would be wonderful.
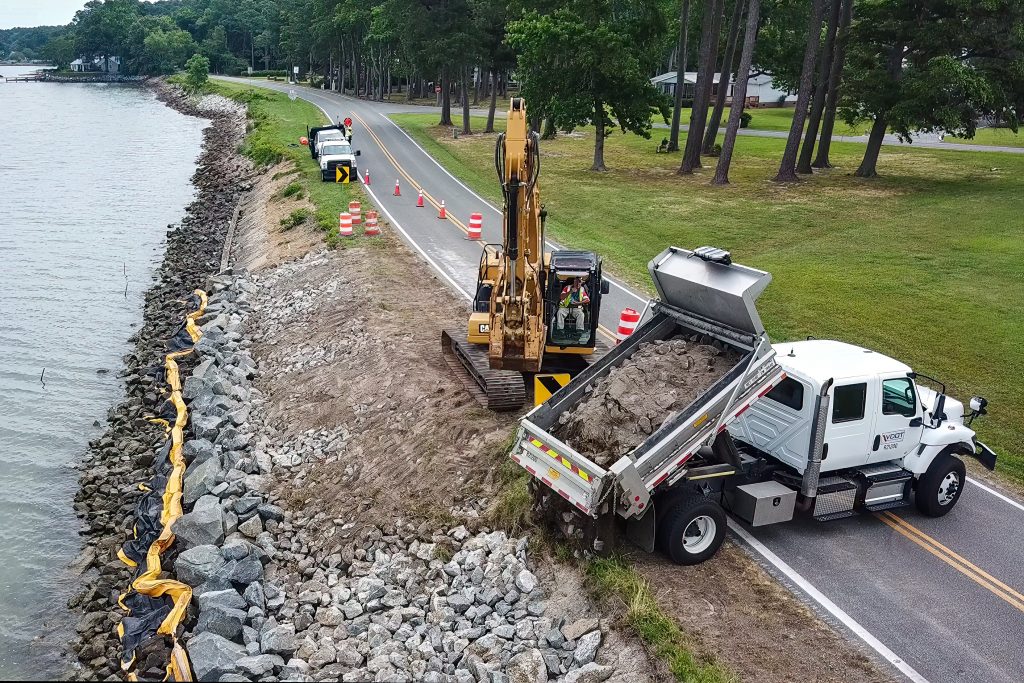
(90, 177)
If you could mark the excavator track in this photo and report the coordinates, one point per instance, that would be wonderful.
(499, 390)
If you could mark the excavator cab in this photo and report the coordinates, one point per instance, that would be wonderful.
(573, 300)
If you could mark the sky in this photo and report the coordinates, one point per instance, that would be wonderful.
(38, 12)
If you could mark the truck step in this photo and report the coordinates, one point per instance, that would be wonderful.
(884, 472)
(878, 507)
(834, 515)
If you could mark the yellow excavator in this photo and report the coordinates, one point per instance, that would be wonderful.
(534, 311)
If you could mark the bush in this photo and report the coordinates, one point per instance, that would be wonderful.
(244, 71)
(197, 73)
(745, 119)
(293, 189)
(295, 219)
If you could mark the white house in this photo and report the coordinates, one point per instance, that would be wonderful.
(760, 92)
(111, 65)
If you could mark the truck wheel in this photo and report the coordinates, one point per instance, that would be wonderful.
(694, 530)
(939, 488)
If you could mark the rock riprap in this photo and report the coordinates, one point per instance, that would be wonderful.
(633, 400)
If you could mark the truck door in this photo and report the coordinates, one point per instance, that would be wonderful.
(849, 432)
(898, 405)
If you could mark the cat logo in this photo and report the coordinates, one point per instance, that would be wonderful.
(484, 328)
(341, 174)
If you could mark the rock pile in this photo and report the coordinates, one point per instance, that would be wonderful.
(633, 400)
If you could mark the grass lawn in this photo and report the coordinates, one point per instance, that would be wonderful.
(1003, 137)
(277, 124)
(925, 263)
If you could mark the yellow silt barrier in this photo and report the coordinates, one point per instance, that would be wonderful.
(151, 622)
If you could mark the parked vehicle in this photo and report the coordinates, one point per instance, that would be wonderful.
(817, 427)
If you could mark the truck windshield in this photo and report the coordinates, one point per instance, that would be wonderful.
(336, 150)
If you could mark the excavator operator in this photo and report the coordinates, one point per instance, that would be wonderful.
(574, 298)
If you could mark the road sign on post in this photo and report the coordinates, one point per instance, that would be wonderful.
(341, 174)
(437, 89)
(292, 95)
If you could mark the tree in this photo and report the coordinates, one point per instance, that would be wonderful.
(710, 28)
(834, 81)
(818, 103)
(164, 52)
(739, 94)
(588, 62)
(60, 51)
(787, 169)
(724, 79)
(197, 73)
(684, 23)
(489, 18)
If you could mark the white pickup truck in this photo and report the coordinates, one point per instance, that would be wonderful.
(817, 427)
(334, 153)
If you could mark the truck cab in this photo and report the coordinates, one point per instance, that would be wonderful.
(878, 420)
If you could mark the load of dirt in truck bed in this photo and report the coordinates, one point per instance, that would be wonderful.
(629, 403)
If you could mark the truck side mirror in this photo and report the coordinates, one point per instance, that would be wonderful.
(605, 286)
(358, 152)
(916, 422)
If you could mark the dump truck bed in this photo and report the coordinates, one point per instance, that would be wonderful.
(697, 297)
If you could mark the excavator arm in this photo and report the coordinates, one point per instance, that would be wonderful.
(517, 330)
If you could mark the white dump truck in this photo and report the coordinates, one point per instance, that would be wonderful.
(814, 427)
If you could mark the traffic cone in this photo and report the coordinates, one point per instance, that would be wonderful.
(627, 323)
(476, 225)
(419, 200)
(371, 229)
(367, 181)
(398, 190)
(442, 213)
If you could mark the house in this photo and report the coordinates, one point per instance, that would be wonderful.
(760, 92)
(110, 64)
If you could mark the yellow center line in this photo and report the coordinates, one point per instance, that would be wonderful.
(962, 565)
(419, 188)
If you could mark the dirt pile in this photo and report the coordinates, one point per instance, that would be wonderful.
(635, 399)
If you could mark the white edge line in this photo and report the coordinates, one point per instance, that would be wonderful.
(387, 118)
(1005, 499)
(832, 608)
(398, 225)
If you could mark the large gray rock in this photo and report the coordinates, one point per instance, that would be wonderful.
(270, 511)
(206, 427)
(259, 666)
(526, 581)
(576, 629)
(251, 527)
(527, 667)
(348, 654)
(224, 621)
(586, 648)
(590, 673)
(280, 640)
(198, 451)
(200, 479)
(223, 599)
(213, 656)
(255, 596)
(203, 526)
(248, 570)
(198, 564)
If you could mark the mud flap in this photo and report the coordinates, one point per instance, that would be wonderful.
(640, 530)
(985, 455)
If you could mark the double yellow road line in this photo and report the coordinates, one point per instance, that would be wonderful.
(426, 195)
(954, 560)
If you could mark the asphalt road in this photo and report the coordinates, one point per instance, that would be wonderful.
(936, 599)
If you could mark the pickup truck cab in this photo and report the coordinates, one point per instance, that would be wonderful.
(878, 420)
(334, 153)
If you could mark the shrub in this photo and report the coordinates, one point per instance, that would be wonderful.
(745, 119)
(293, 190)
(244, 71)
(295, 219)
(197, 73)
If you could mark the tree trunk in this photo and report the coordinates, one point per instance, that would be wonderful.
(408, 91)
(724, 79)
(355, 73)
(684, 19)
(834, 80)
(446, 101)
(478, 76)
(868, 165)
(818, 104)
(465, 101)
(598, 137)
(739, 94)
(494, 102)
(549, 129)
(710, 30)
(787, 169)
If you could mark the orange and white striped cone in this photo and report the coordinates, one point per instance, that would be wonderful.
(442, 212)
(356, 210)
(345, 224)
(398, 190)
(627, 323)
(419, 200)
(476, 226)
(367, 180)
(371, 229)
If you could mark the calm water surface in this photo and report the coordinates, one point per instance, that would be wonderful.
(90, 177)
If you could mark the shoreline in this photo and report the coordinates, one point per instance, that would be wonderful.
(122, 457)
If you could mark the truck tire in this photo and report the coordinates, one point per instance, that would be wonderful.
(694, 529)
(939, 488)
